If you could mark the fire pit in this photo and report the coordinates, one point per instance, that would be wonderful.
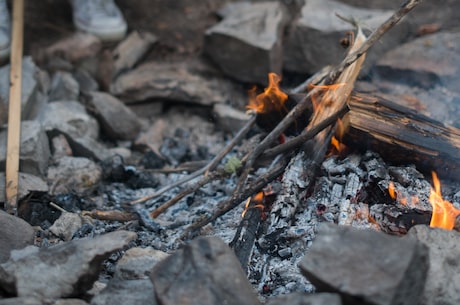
(327, 193)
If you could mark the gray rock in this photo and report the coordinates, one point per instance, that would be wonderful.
(66, 225)
(313, 40)
(203, 272)
(27, 183)
(35, 151)
(117, 121)
(70, 302)
(22, 301)
(131, 50)
(65, 270)
(424, 62)
(247, 43)
(137, 263)
(366, 267)
(126, 292)
(15, 234)
(28, 93)
(75, 47)
(180, 81)
(229, 118)
(70, 118)
(306, 299)
(64, 87)
(89, 148)
(444, 272)
(86, 82)
(74, 174)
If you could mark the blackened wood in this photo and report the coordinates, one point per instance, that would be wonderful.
(245, 236)
(402, 136)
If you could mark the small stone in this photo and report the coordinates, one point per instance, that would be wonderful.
(74, 174)
(35, 151)
(70, 118)
(204, 272)
(29, 92)
(137, 263)
(75, 47)
(366, 267)
(126, 292)
(306, 299)
(424, 62)
(313, 40)
(229, 118)
(70, 302)
(27, 184)
(188, 82)
(66, 225)
(117, 121)
(131, 50)
(22, 301)
(65, 270)
(15, 234)
(64, 87)
(444, 272)
(247, 43)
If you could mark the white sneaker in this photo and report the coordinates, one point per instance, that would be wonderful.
(99, 17)
(5, 31)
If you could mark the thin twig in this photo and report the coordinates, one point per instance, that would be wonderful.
(204, 180)
(212, 164)
(230, 203)
(304, 136)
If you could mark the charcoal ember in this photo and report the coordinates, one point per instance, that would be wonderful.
(37, 211)
(351, 262)
(151, 160)
(174, 150)
(444, 273)
(71, 267)
(15, 234)
(203, 272)
(405, 175)
(114, 170)
(306, 299)
(395, 220)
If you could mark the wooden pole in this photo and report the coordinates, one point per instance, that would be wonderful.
(14, 111)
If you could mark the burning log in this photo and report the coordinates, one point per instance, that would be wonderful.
(402, 136)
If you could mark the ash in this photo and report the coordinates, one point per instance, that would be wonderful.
(349, 191)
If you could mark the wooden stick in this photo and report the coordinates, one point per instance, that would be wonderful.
(14, 112)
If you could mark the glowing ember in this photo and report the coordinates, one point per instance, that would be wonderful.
(444, 213)
(271, 99)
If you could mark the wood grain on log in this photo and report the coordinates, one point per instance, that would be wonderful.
(402, 136)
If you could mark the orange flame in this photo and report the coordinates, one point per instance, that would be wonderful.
(258, 199)
(391, 190)
(271, 99)
(444, 213)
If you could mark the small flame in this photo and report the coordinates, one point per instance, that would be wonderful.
(271, 99)
(444, 213)
(391, 190)
(258, 200)
(336, 142)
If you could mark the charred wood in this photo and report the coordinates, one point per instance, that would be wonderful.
(402, 136)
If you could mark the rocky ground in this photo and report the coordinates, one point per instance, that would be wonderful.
(107, 124)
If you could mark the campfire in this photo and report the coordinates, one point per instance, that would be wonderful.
(325, 191)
